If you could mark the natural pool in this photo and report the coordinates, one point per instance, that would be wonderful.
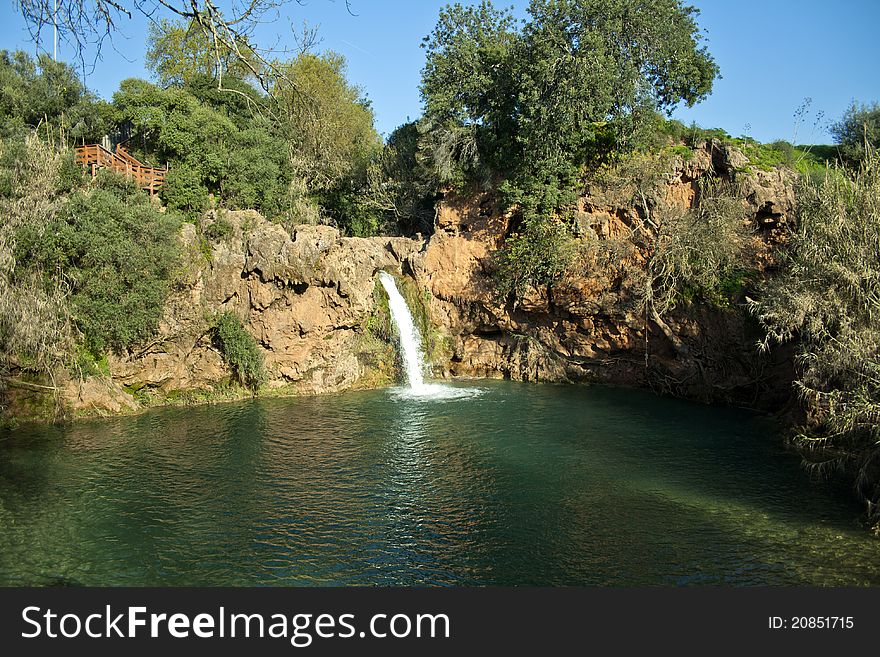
(507, 484)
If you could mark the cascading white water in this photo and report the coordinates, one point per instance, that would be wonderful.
(411, 350)
(410, 340)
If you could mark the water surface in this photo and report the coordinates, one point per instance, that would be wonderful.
(518, 485)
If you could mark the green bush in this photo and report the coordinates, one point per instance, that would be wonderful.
(537, 255)
(858, 129)
(239, 350)
(13, 159)
(183, 190)
(70, 173)
(117, 253)
(219, 229)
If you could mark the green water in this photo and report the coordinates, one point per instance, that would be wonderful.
(519, 485)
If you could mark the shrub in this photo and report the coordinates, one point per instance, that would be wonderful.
(699, 252)
(537, 255)
(857, 129)
(183, 190)
(219, 229)
(116, 252)
(239, 350)
(826, 298)
(35, 328)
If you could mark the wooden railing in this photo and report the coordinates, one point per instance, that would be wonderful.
(95, 156)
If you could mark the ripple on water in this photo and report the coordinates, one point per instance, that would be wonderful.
(495, 483)
(428, 392)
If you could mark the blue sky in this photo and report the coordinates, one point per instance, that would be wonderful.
(773, 55)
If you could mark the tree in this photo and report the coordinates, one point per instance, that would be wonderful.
(540, 92)
(545, 100)
(327, 121)
(210, 150)
(470, 74)
(399, 185)
(179, 52)
(327, 126)
(46, 93)
(858, 128)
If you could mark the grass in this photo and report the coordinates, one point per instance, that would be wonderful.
(803, 159)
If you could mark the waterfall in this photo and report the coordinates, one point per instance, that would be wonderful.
(410, 341)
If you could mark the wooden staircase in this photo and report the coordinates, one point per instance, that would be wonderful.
(95, 156)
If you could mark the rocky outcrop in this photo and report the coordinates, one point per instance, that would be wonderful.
(591, 325)
(308, 297)
(305, 294)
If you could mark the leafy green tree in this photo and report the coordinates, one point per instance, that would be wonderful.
(238, 99)
(539, 93)
(327, 126)
(399, 184)
(859, 127)
(178, 52)
(48, 94)
(471, 74)
(546, 99)
(116, 252)
(243, 163)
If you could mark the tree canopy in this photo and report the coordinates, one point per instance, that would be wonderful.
(226, 26)
(43, 92)
(543, 89)
(858, 129)
(178, 52)
(538, 102)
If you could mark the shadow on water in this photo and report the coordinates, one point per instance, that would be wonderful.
(519, 484)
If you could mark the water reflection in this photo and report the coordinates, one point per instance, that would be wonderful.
(518, 485)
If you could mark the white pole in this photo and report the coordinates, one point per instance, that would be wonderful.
(55, 31)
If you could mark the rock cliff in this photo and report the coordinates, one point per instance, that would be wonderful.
(591, 326)
(309, 298)
(305, 294)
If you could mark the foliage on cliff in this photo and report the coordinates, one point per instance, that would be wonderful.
(579, 79)
(82, 271)
(36, 331)
(116, 253)
(238, 349)
(826, 298)
(700, 252)
(299, 151)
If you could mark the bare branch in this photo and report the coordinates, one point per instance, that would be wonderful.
(229, 25)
